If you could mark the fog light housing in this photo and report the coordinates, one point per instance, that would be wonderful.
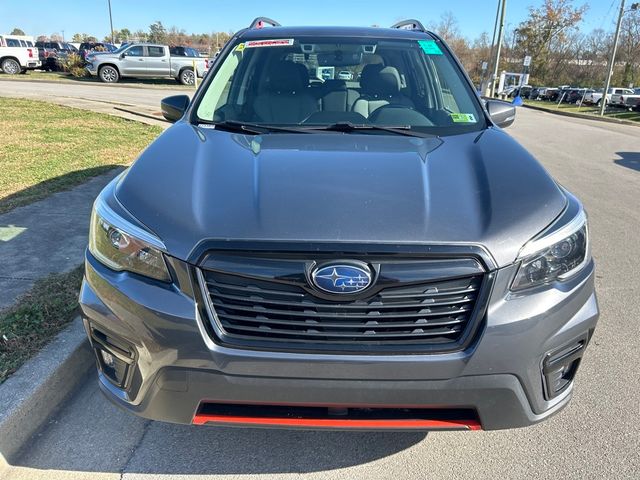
(560, 366)
(114, 356)
(107, 359)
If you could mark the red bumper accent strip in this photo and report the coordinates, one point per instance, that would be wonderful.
(419, 424)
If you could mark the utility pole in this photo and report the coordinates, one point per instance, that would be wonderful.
(62, 36)
(612, 59)
(486, 91)
(110, 21)
(498, 47)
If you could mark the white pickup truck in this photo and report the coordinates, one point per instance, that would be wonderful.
(613, 94)
(145, 60)
(629, 99)
(16, 56)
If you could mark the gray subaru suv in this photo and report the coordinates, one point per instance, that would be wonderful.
(309, 249)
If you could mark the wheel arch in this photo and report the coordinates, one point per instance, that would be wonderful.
(10, 57)
(102, 65)
(182, 69)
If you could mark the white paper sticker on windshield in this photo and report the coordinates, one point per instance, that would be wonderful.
(282, 42)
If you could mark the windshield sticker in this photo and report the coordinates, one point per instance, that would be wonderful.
(430, 47)
(240, 47)
(284, 42)
(463, 117)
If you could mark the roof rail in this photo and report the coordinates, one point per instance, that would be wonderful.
(259, 22)
(410, 24)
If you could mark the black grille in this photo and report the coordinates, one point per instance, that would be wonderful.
(434, 313)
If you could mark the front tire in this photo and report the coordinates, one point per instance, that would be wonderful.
(10, 66)
(187, 77)
(108, 74)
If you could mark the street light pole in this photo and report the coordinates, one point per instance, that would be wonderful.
(486, 91)
(498, 47)
(612, 60)
(110, 21)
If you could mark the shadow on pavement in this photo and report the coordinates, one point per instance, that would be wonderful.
(92, 435)
(629, 159)
(47, 187)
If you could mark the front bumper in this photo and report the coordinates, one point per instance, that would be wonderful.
(176, 366)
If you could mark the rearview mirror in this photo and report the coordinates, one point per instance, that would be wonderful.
(502, 113)
(173, 107)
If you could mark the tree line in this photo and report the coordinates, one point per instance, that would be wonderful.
(562, 53)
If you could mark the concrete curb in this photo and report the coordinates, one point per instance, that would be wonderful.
(584, 116)
(169, 86)
(39, 387)
(141, 114)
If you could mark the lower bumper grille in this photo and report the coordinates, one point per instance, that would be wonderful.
(337, 418)
(436, 314)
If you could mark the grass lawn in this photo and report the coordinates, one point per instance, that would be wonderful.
(38, 76)
(27, 326)
(587, 110)
(46, 148)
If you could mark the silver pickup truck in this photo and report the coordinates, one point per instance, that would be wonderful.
(145, 60)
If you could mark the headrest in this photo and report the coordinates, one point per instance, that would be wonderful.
(333, 85)
(377, 79)
(286, 76)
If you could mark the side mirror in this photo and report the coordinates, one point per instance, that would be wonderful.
(122, 55)
(173, 107)
(502, 113)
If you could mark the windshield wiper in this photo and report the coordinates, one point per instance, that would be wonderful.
(354, 127)
(255, 128)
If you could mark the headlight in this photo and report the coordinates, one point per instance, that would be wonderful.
(121, 245)
(557, 256)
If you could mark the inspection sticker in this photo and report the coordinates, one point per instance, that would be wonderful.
(430, 47)
(240, 47)
(283, 42)
(463, 117)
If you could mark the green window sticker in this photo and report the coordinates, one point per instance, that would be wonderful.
(463, 117)
(430, 47)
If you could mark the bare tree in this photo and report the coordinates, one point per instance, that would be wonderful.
(547, 27)
(629, 51)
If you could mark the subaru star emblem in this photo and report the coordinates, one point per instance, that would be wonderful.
(341, 278)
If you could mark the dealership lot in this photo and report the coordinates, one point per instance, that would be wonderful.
(594, 437)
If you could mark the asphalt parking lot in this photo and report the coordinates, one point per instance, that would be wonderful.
(595, 437)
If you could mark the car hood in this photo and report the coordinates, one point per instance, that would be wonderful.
(194, 184)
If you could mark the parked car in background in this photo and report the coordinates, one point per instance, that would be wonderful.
(142, 60)
(549, 94)
(52, 54)
(576, 95)
(536, 93)
(23, 40)
(345, 75)
(180, 51)
(630, 101)
(87, 47)
(618, 94)
(553, 94)
(16, 56)
(595, 97)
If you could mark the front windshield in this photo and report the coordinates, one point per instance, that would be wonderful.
(322, 81)
(121, 48)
